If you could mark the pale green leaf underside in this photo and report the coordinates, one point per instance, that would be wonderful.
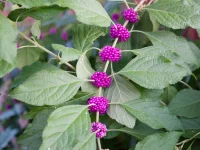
(87, 11)
(153, 72)
(174, 14)
(186, 103)
(152, 113)
(8, 45)
(121, 90)
(27, 56)
(85, 71)
(85, 35)
(160, 141)
(68, 53)
(65, 127)
(47, 88)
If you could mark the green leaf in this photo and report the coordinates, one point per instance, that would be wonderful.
(121, 91)
(174, 14)
(35, 29)
(160, 141)
(152, 113)
(39, 13)
(2, 5)
(146, 93)
(68, 54)
(89, 12)
(27, 56)
(27, 71)
(66, 127)
(84, 71)
(169, 94)
(153, 72)
(47, 88)
(34, 110)
(85, 36)
(140, 131)
(177, 44)
(5, 67)
(32, 136)
(191, 127)
(8, 45)
(196, 52)
(186, 103)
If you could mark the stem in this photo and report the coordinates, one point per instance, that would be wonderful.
(150, 2)
(187, 140)
(126, 4)
(140, 4)
(186, 84)
(26, 46)
(46, 50)
(99, 143)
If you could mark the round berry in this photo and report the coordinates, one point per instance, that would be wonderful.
(120, 32)
(131, 15)
(110, 53)
(99, 128)
(100, 79)
(98, 104)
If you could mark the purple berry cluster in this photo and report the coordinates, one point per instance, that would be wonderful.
(110, 53)
(98, 104)
(99, 128)
(100, 79)
(131, 15)
(120, 32)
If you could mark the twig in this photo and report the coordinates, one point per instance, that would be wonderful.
(186, 84)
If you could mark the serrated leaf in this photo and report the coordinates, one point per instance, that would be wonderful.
(120, 91)
(152, 113)
(68, 53)
(85, 35)
(39, 13)
(27, 56)
(47, 88)
(85, 71)
(153, 72)
(160, 141)
(87, 11)
(191, 127)
(65, 127)
(5, 67)
(8, 35)
(186, 103)
(196, 52)
(140, 131)
(174, 13)
(35, 29)
(175, 43)
(27, 71)
(32, 136)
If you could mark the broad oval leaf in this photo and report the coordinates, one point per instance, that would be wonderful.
(186, 103)
(8, 45)
(5, 67)
(35, 29)
(85, 35)
(174, 13)
(84, 71)
(68, 127)
(153, 72)
(152, 113)
(47, 88)
(68, 53)
(160, 141)
(121, 91)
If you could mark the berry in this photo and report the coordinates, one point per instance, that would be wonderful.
(131, 15)
(101, 80)
(99, 128)
(100, 104)
(53, 30)
(115, 17)
(120, 32)
(64, 35)
(110, 53)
